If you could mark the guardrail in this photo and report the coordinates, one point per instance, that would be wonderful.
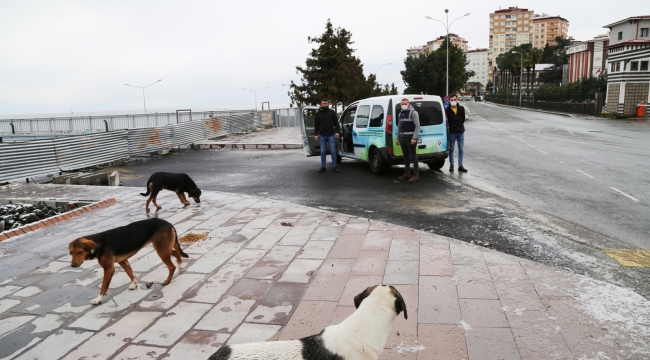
(52, 153)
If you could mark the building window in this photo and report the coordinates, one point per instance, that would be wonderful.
(634, 65)
(525, 15)
(613, 67)
(644, 66)
(644, 32)
(618, 66)
(620, 35)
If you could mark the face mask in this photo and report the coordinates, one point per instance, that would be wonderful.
(405, 107)
(454, 103)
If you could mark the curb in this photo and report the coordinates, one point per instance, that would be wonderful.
(246, 146)
(536, 110)
(42, 224)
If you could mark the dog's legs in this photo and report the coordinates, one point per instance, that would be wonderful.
(108, 275)
(147, 206)
(127, 267)
(167, 259)
(181, 197)
(163, 242)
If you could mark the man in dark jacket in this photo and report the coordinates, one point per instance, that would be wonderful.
(407, 139)
(455, 122)
(327, 130)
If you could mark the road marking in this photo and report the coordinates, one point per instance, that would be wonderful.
(615, 189)
(489, 122)
(585, 174)
(529, 145)
(542, 152)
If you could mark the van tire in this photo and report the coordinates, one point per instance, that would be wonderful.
(377, 163)
(436, 164)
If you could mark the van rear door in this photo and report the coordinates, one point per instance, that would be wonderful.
(307, 119)
(433, 131)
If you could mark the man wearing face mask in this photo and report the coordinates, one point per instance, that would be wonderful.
(407, 139)
(455, 122)
(327, 130)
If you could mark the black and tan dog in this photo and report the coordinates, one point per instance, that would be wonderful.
(178, 183)
(119, 244)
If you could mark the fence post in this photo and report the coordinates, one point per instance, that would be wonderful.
(598, 103)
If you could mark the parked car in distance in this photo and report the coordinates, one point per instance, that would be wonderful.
(369, 128)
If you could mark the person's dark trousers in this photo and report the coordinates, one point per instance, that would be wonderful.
(327, 142)
(409, 153)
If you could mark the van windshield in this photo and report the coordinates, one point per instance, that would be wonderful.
(430, 112)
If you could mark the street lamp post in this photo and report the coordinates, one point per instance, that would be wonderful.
(379, 67)
(144, 87)
(521, 70)
(255, 91)
(447, 26)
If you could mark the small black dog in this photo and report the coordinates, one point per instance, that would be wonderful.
(178, 183)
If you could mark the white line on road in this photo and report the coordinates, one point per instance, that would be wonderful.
(585, 174)
(530, 145)
(542, 152)
(615, 189)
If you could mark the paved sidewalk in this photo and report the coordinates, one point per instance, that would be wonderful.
(254, 279)
(272, 138)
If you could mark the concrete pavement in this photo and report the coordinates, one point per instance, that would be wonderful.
(254, 279)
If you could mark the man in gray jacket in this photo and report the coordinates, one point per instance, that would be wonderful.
(407, 138)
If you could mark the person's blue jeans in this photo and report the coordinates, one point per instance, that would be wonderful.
(460, 138)
(327, 142)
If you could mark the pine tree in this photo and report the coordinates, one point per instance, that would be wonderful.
(331, 71)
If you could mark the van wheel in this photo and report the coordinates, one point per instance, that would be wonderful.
(436, 164)
(377, 163)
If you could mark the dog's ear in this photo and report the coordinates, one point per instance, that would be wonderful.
(364, 294)
(89, 246)
(400, 305)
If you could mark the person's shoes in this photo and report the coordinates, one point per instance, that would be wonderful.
(336, 169)
(451, 168)
(462, 169)
(415, 178)
(407, 175)
(321, 170)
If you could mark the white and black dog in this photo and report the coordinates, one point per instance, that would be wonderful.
(361, 336)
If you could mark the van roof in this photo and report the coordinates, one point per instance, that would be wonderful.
(400, 97)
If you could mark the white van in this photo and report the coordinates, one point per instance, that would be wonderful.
(370, 126)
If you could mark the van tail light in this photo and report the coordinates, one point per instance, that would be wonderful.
(389, 124)
(390, 151)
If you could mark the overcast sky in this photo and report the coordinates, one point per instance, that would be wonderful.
(62, 55)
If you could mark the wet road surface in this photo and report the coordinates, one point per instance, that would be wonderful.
(517, 198)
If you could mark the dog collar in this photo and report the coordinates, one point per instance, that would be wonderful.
(92, 251)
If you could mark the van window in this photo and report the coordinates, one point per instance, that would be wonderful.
(309, 116)
(430, 112)
(362, 116)
(377, 116)
(348, 117)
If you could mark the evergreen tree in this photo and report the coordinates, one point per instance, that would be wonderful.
(426, 74)
(332, 71)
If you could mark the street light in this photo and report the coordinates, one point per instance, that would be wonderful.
(144, 87)
(521, 70)
(447, 26)
(255, 91)
(381, 66)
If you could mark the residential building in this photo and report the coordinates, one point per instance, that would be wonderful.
(547, 28)
(587, 58)
(435, 44)
(478, 60)
(628, 58)
(508, 28)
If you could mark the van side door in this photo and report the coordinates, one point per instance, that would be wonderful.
(307, 116)
(360, 131)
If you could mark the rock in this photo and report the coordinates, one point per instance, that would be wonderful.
(29, 218)
(39, 213)
(2, 225)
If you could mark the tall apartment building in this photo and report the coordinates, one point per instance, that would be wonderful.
(547, 28)
(478, 60)
(435, 44)
(508, 28)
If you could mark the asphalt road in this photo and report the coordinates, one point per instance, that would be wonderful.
(523, 194)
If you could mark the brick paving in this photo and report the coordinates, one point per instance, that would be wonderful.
(255, 279)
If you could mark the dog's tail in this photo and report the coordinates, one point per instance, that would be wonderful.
(148, 191)
(178, 245)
